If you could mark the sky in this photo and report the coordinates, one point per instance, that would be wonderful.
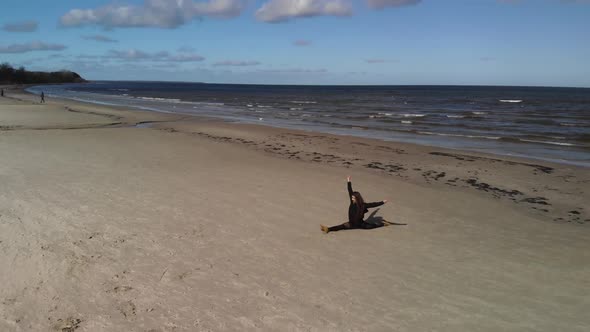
(376, 42)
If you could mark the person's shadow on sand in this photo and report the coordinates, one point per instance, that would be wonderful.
(378, 221)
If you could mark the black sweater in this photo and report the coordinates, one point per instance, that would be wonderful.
(354, 217)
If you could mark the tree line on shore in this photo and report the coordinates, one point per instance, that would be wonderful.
(11, 75)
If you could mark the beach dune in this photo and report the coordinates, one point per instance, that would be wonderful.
(199, 225)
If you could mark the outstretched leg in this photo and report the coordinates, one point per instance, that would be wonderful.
(366, 225)
(327, 229)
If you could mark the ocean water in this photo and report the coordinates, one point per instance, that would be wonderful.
(537, 122)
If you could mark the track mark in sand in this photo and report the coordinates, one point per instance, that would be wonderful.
(389, 168)
(575, 216)
(387, 148)
(110, 116)
(163, 274)
(9, 301)
(434, 175)
(495, 191)
(67, 325)
(464, 157)
(169, 130)
(183, 275)
(306, 138)
(6, 128)
(93, 235)
(119, 289)
(538, 203)
(536, 200)
(123, 275)
(452, 182)
(128, 309)
(88, 126)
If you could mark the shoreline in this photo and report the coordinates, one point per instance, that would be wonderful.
(496, 146)
(489, 173)
(211, 119)
(116, 219)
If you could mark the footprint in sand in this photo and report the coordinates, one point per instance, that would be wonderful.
(128, 309)
(9, 301)
(119, 289)
(67, 325)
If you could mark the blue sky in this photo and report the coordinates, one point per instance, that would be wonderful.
(487, 42)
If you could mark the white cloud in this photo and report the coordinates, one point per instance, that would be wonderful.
(137, 55)
(380, 4)
(27, 26)
(30, 47)
(100, 38)
(236, 63)
(87, 56)
(134, 55)
(285, 10)
(152, 13)
(294, 70)
(185, 57)
(562, 1)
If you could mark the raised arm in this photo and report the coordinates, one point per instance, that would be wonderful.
(349, 184)
(375, 204)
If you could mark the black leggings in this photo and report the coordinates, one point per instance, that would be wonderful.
(348, 225)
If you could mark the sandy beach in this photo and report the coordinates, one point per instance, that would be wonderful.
(122, 220)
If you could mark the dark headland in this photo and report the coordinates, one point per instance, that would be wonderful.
(10, 75)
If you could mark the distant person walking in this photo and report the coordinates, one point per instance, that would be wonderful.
(42, 97)
(2, 93)
(356, 212)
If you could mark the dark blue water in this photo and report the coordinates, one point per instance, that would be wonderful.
(537, 122)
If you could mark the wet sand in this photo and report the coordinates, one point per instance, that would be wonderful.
(113, 219)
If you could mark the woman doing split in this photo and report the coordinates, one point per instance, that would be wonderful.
(356, 212)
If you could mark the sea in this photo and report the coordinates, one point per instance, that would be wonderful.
(544, 123)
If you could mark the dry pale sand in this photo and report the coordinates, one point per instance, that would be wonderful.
(197, 225)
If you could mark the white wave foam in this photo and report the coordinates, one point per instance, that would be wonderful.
(458, 135)
(571, 124)
(479, 113)
(204, 103)
(410, 115)
(547, 142)
(406, 122)
(295, 109)
(455, 116)
(303, 102)
(510, 100)
(160, 99)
